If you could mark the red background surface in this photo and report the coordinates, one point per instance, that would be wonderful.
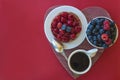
(25, 53)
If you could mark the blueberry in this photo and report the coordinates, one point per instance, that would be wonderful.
(94, 31)
(94, 38)
(98, 27)
(88, 32)
(99, 44)
(63, 27)
(90, 27)
(102, 20)
(95, 42)
(99, 23)
(101, 31)
(89, 37)
(107, 32)
(91, 40)
(68, 29)
(99, 37)
(93, 22)
(112, 24)
(105, 45)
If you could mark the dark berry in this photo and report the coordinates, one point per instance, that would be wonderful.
(93, 22)
(95, 42)
(90, 27)
(99, 22)
(99, 37)
(94, 38)
(88, 32)
(63, 27)
(112, 24)
(101, 31)
(94, 31)
(89, 37)
(107, 32)
(98, 27)
(68, 29)
(105, 45)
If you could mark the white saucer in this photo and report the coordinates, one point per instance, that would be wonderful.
(55, 12)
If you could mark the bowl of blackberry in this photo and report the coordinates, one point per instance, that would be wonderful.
(102, 32)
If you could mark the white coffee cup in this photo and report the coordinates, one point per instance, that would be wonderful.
(79, 54)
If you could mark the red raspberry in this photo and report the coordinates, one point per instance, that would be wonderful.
(106, 27)
(70, 22)
(61, 32)
(59, 37)
(72, 30)
(106, 22)
(63, 20)
(54, 23)
(72, 36)
(75, 23)
(70, 17)
(104, 37)
(59, 25)
(77, 29)
(108, 42)
(57, 18)
(64, 14)
(65, 39)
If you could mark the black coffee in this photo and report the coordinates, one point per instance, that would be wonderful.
(79, 61)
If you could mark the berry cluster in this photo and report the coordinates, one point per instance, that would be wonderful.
(65, 26)
(101, 32)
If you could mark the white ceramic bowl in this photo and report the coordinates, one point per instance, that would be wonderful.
(115, 37)
(55, 12)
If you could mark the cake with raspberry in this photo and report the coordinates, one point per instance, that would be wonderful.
(66, 26)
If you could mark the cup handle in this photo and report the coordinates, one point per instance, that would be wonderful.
(92, 52)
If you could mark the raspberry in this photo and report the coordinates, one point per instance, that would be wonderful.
(106, 22)
(61, 32)
(72, 36)
(63, 20)
(108, 42)
(70, 22)
(106, 27)
(64, 14)
(77, 29)
(59, 37)
(57, 18)
(70, 17)
(59, 25)
(54, 23)
(75, 23)
(104, 37)
(65, 39)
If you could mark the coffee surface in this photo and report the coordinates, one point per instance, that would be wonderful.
(79, 61)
